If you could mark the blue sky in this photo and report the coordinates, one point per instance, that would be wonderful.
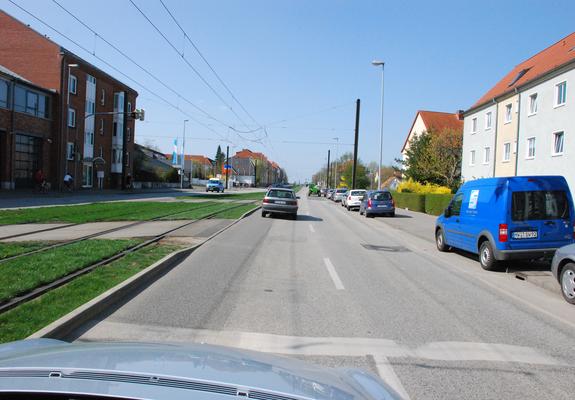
(297, 66)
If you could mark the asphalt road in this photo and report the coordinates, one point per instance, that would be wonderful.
(337, 289)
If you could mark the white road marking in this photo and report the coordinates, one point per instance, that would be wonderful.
(333, 274)
(311, 228)
(386, 372)
(324, 346)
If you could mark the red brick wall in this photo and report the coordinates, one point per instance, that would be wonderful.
(28, 53)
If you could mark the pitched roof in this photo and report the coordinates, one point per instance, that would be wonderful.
(535, 67)
(196, 158)
(436, 121)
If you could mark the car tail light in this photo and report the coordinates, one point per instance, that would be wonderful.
(266, 200)
(369, 203)
(349, 197)
(392, 203)
(503, 233)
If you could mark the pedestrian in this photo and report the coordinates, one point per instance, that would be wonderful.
(129, 181)
(40, 181)
(68, 181)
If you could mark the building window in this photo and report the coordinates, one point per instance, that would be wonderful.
(72, 84)
(4, 93)
(115, 129)
(506, 152)
(558, 139)
(486, 155)
(102, 126)
(533, 104)
(129, 107)
(560, 94)
(474, 125)
(127, 159)
(71, 118)
(472, 157)
(530, 148)
(508, 110)
(488, 120)
(101, 152)
(31, 103)
(70, 151)
(87, 175)
(128, 134)
(103, 98)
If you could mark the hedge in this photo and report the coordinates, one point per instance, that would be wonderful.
(436, 203)
(411, 201)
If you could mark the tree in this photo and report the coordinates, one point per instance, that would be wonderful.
(219, 159)
(361, 178)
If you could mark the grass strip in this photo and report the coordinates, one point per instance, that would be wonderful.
(28, 318)
(26, 273)
(195, 214)
(107, 211)
(231, 196)
(236, 212)
(15, 248)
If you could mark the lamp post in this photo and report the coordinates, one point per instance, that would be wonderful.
(183, 157)
(70, 66)
(378, 63)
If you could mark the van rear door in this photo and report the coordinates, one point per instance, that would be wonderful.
(540, 219)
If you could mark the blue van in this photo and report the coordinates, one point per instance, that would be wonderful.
(522, 217)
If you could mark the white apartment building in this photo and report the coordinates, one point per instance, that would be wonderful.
(525, 124)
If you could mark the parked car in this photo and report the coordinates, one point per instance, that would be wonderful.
(215, 185)
(377, 202)
(323, 192)
(53, 369)
(563, 269)
(329, 193)
(353, 198)
(338, 195)
(526, 217)
(280, 201)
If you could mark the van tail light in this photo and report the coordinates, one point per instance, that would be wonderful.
(503, 233)
(369, 203)
(392, 203)
(266, 200)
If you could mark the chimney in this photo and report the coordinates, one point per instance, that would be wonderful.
(459, 114)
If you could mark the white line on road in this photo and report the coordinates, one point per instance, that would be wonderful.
(334, 276)
(386, 372)
(311, 228)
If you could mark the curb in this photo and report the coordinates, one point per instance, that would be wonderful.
(67, 324)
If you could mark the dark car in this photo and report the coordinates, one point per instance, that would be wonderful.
(377, 202)
(280, 201)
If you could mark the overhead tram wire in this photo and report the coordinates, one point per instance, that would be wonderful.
(187, 37)
(118, 71)
(208, 115)
(189, 64)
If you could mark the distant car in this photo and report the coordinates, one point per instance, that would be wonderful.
(338, 195)
(377, 202)
(53, 369)
(353, 199)
(329, 193)
(563, 269)
(280, 201)
(215, 185)
(508, 218)
(322, 192)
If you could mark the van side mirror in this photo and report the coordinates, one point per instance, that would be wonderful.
(447, 212)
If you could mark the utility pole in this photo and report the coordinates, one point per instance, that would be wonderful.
(182, 172)
(227, 164)
(327, 171)
(357, 106)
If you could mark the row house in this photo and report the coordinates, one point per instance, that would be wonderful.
(255, 169)
(525, 124)
(92, 129)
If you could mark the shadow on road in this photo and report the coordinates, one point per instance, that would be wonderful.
(510, 267)
(300, 217)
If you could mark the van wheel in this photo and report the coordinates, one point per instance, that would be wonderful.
(486, 257)
(440, 241)
(568, 283)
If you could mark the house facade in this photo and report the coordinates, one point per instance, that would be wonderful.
(93, 132)
(534, 113)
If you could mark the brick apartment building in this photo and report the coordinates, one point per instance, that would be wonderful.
(90, 132)
(26, 131)
(255, 169)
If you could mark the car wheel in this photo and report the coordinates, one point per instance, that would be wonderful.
(567, 282)
(392, 214)
(440, 241)
(367, 215)
(348, 208)
(264, 214)
(294, 217)
(360, 212)
(486, 256)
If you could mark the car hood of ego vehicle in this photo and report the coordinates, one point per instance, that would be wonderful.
(165, 371)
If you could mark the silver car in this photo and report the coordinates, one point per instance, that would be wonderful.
(280, 201)
(338, 195)
(47, 368)
(563, 269)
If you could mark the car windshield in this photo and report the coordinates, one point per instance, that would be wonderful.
(539, 205)
(341, 190)
(282, 194)
(357, 193)
(381, 196)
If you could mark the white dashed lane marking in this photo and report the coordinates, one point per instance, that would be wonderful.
(333, 274)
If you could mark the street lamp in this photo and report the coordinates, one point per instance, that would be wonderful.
(377, 63)
(183, 156)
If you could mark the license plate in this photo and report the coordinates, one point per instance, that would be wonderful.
(280, 202)
(524, 235)
(382, 205)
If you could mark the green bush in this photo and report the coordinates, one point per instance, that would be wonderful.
(436, 203)
(411, 201)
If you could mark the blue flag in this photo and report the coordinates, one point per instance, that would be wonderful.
(175, 153)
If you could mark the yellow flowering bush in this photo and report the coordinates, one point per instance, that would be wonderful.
(411, 186)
